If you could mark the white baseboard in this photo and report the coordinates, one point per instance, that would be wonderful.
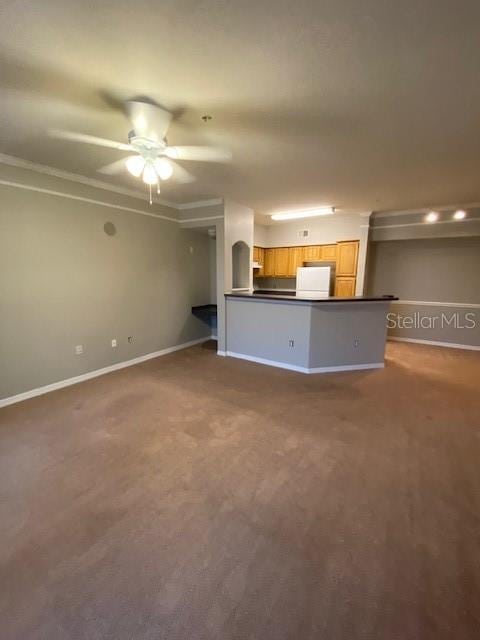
(270, 363)
(435, 343)
(32, 393)
(293, 367)
(221, 353)
(348, 367)
(427, 303)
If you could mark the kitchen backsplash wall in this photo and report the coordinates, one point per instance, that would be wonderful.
(274, 283)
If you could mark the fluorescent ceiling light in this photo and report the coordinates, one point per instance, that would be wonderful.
(303, 213)
(431, 217)
(459, 215)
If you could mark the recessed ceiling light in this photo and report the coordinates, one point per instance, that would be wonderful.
(431, 217)
(303, 213)
(459, 215)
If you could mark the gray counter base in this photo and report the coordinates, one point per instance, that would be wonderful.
(326, 337)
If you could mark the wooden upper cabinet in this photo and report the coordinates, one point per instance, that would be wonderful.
(347, 257)
(281, 261)
(269, 263)
(284, 261)
(258, 256)
(295, 259)
(313, 252)
(329, 252)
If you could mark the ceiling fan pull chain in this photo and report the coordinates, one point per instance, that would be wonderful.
(150, 193)
(158, 188)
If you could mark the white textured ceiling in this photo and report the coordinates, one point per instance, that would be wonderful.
(365, 105)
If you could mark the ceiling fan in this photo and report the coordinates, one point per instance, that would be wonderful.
(153, 159)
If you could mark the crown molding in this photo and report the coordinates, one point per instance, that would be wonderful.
(423, 224)
(207, 219)
(411, 212)
(13, 161)
(61, 194)
(199, 203)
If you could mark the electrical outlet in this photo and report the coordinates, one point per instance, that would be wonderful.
(130, 339)
(356, 343)
(79, 349)
(114, 342)
(291, 343)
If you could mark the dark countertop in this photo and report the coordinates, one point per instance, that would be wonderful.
(292, 297)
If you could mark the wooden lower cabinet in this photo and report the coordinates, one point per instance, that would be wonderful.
(344, 287)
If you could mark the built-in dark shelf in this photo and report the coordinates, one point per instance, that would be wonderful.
(205, 309)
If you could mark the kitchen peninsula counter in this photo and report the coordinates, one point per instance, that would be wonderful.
(294, 297)
(307, 334)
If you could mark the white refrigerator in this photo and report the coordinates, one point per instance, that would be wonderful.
(313, 282)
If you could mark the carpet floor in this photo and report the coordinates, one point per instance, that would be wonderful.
(198, 497)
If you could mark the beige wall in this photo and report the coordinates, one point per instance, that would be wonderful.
(260, 235)
(440, 270)
(239, 227)
(65, 282)
(212, 215)
(438, 283)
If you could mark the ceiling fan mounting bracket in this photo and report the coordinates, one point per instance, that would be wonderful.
(147, 147)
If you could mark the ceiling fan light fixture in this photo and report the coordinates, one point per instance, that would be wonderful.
(303, 213)
(171, 152)
(149, 174)
(163, 168)
(135, 165)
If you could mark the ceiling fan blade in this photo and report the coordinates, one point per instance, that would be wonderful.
(148, 120)
(115, 167)
(204, 154)
(181, 175)
(82, 137)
